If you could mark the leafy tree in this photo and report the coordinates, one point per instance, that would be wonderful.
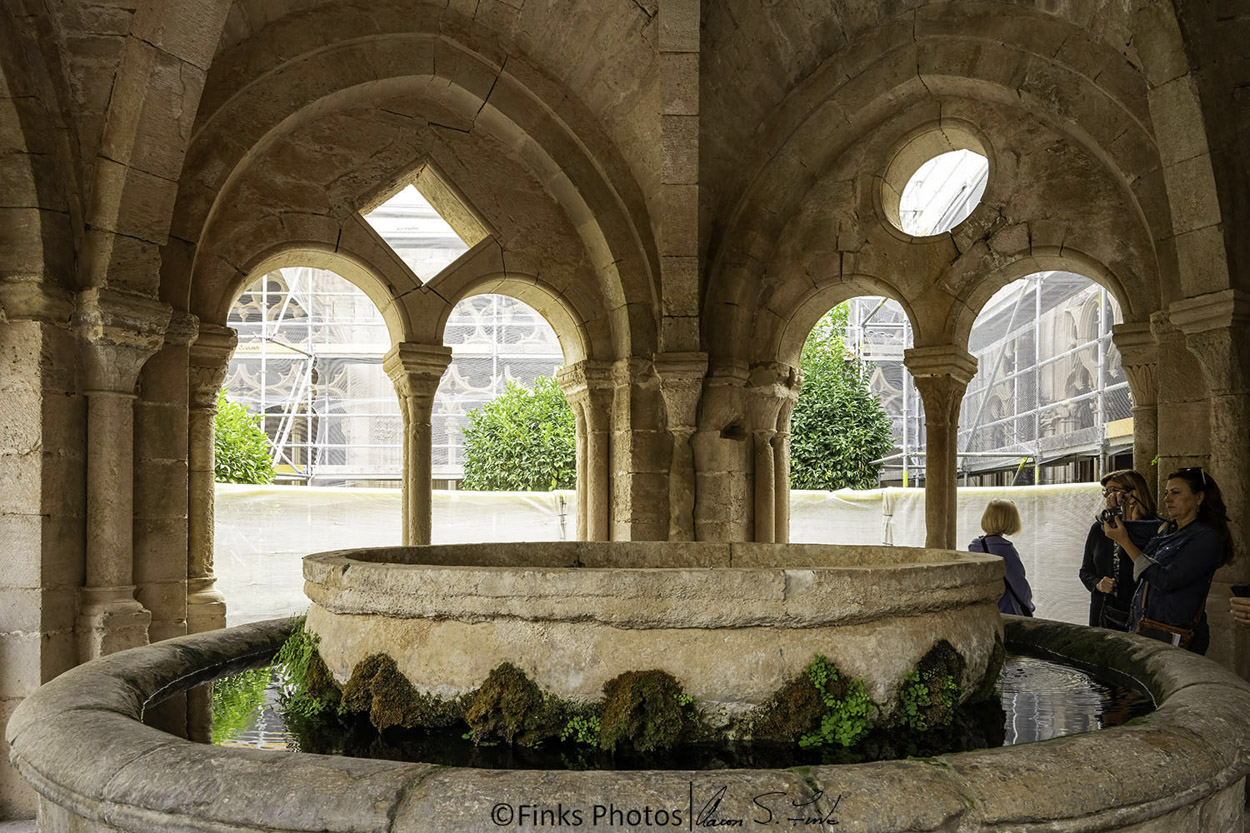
(522, 441)
(240, 446)
(838, 427)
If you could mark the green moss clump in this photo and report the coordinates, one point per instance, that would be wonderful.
(848, 711)
(378, 687)
(794, 711)
(510, 707)
(929, 695)
(647, 709)
(308, 686)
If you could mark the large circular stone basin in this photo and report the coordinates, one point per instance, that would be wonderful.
(732, 622)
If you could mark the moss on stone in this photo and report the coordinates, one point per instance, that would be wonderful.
(647, 709)
(378, 687)
(929, 695)
(988, 689)
(794, 711)
(510, 707)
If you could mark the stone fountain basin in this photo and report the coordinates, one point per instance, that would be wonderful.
(732, 622)
(79, 741)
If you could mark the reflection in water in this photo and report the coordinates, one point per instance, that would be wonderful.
(1046, 700)
(1040, 700)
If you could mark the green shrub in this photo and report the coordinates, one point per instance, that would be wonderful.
(847, 718)
(235, 699)
(240, 447)
(838, 427)
(522, 441)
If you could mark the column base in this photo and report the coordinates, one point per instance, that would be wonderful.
(109, 620)
(206, 606)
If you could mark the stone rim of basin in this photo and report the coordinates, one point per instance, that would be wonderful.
(793, 593)
(1186, 755)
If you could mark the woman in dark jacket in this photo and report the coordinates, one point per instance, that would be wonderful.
(1002, 518)
(1106, 571)
(1174, 570)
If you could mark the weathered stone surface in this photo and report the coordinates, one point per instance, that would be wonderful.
(1176, 770)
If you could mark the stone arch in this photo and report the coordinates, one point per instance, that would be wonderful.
(480, 95)
(930, 75)
(785, 343)
(963, 315)
(342, 263)
(531, 290)
(166, 56)
(38, 241)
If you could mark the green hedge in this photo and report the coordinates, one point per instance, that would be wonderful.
(523, 441)
(241, 448)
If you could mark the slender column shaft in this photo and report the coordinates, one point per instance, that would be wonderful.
(110, 488)
(765, 494)
(781, 486)
(583, 484)
(941, 374)
(420, 481)
(415, 370)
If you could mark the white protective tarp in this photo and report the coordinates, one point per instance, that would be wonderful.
(262, 532)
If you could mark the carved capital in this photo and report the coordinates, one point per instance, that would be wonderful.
(941, 360)
(183, 329)
(209, 358)
(681, 384)
(585, 379)
(1217, 332)
(416, 369)
(1223, 310)
(772, 392)
(1139, 356)
(119, 333)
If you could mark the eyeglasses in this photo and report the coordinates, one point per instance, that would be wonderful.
(1198, 470)
(1108, 492)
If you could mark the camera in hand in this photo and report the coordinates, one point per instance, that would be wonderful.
(1112, 516)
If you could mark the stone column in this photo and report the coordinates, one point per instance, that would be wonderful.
(681, 384)
(209, 358)
(770, 390)
(942, 374)
(724, 457)
(1217, 333)
(416, 369)
(118, 333)
(1139, 356)
(206, 606)
(781, 455)
(588, 387)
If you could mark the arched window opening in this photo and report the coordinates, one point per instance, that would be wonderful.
(1049, 403)
(309, 361)
(495, 340)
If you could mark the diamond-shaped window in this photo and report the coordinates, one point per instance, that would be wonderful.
(426, 224)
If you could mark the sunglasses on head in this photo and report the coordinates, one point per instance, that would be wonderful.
(1195, 470)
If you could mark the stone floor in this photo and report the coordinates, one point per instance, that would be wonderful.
(17, 826)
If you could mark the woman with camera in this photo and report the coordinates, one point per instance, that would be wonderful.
(1106, 571)
(1175, 568)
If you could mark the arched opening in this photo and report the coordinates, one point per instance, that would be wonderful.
(858, 426)
(1049, 401)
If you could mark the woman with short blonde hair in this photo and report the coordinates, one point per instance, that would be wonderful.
(1001, 518)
